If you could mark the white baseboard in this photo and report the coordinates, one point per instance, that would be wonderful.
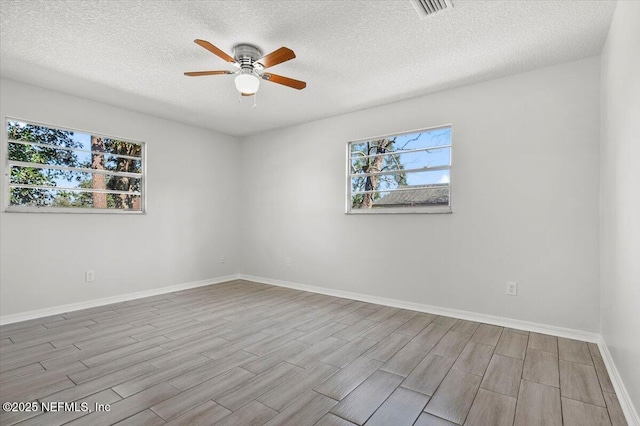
(456, 313)
(56, 310)
(628, 408)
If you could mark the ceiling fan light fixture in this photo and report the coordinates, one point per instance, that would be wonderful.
(250, 63)
(247, 83)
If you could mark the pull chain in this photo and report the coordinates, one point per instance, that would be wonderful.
(254, 96)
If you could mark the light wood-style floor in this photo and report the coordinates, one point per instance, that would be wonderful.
(242, 353)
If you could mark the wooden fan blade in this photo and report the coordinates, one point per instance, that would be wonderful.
(276, 57)
(211, 48)
(199, 73)
(285, 81)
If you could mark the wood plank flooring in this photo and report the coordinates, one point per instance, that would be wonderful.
(242, 353)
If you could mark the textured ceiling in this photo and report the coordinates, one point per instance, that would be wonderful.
(352, 54)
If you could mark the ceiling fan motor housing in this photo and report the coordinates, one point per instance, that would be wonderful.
(246, 55)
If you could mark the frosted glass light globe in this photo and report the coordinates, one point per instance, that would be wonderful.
(247, 83)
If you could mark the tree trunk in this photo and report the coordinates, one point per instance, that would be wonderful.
(99, 180)
(374, 166)
(122, 183)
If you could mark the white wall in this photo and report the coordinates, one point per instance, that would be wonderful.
(525, 199)
(191, 220)
(620, 183)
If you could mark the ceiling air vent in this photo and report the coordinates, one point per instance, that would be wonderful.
(430, 7)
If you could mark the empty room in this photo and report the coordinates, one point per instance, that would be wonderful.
(330, 213)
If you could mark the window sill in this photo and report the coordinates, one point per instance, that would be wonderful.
(59, 210)
(403, 210)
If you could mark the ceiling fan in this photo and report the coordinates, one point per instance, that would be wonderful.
(250, 65)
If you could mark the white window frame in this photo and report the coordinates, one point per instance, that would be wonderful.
(5, 193)
(400, 210)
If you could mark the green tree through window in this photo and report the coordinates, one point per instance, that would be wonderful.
(65, 169)
(41, 155)
(393, 173)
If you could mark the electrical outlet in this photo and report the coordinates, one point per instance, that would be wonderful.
(222, 259)
(512, 288)
(90, 275)
(287, 261)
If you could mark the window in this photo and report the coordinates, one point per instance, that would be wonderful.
(55, 170)
(403, 173)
